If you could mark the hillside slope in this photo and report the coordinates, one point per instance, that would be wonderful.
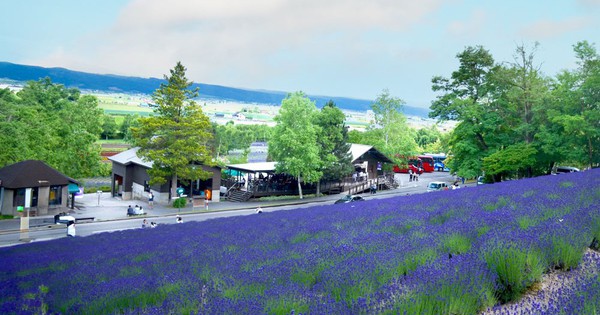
(126, 84)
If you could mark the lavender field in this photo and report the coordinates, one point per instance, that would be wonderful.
(450, 252)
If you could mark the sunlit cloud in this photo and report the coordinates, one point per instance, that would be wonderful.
(545, 29)
(469, 28)
(238, 41)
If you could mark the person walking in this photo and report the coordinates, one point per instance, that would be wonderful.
(144, 224)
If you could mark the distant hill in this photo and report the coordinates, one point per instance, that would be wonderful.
(125, 84)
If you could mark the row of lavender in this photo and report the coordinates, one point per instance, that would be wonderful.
(450, 252)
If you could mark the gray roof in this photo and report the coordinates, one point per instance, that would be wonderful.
(30, 174)
(358, 150)
(130, 157)
(254, 167)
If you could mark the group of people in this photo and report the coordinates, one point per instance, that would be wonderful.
(359, 176)
(145, 224)
(138, 210)
(413, 176)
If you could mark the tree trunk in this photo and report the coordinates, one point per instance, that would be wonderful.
(299, 186)
(174, 186)
(318, 188)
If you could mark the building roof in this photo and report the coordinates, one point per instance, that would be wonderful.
(359, 150)
(130, 157)
(32, 173)
(254, 167)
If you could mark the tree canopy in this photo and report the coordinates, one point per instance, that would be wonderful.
(51, 123)
(388, 131)
(176, 139)
(515, 121)
(333, 143)
(294, 141)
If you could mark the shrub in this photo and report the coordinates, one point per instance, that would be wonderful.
(516, 268)
(456, 244)
(595, 245)
(564, 255)
(92, 190)
(179, 202)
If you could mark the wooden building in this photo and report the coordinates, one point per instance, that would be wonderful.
(254, 180)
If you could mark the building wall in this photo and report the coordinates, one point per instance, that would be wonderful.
(42, 208)
(7, 202)
(43, 196)
(134, 177)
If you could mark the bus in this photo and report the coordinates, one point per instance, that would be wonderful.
(427, 163)
(414, 165)
(438, 162)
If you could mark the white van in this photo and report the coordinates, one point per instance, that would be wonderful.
(433, 186)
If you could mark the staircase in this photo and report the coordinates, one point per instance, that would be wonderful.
(239, 195)
(387, 183)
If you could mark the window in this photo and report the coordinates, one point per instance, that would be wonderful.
(19, 197)
(55, 198)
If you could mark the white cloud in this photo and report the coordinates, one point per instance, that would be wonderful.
(469, 28)
(589, 3)
(544, 29)
(240, 42)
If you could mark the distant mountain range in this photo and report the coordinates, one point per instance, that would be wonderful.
(125, 84)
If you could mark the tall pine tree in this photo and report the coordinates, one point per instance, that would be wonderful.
(177, 138)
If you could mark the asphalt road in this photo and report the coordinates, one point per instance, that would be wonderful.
(51, 231)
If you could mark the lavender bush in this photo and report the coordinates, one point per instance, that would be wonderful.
(449, 252)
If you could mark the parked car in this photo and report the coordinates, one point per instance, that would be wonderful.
(565, 169)
(434, 186)
(350, 198)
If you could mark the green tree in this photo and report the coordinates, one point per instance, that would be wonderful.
(573, 131)
(294, 141)
(427, 136)
(48, 122)
(333, 143)
(109, 127)
(389, 132)
(467, 97)
(130, 121)
(177, 138)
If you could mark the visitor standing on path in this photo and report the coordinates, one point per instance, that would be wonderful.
(150, 200)
(71, 228)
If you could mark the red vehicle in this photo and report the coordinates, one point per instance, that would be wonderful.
(413, 165)
(427, 163)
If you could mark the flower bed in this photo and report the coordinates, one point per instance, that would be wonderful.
(448, 252)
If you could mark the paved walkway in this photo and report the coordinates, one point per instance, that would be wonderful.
(107, 208)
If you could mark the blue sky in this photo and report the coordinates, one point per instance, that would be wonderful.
(346, 48)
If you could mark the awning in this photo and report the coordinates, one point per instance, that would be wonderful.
(73, 188)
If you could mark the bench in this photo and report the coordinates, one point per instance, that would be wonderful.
(85, 219)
